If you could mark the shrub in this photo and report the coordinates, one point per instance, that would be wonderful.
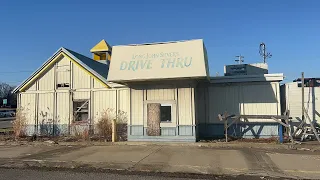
(80, 130)
(104, 124)
(20, 123)
(85, 135)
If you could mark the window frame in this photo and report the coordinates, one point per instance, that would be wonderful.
(174, 113)
(171, 108)
(76, 110)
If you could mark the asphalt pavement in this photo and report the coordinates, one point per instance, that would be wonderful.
(47, 174)
(257, 161)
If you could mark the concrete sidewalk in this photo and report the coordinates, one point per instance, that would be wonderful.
(168, 158)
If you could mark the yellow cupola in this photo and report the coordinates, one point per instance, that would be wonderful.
(101, 51)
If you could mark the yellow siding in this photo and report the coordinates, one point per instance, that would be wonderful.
(63, 76)
(185, 106)
(96, 57)
(46, 81)
(32, 87)
(124, 102)
(136, 107)
(97, 84)
(45, 108)
(103, 100)
(63, 71)
(81, 95)
(63, 108)
(27, 103)
(81, 79)
(64, 62)
(161, 94)
(101, 46)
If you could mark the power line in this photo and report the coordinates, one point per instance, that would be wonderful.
(12, 72)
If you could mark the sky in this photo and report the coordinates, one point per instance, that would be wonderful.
(31, 31)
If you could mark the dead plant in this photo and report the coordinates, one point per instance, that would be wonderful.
(20, 123)
(104, 124)
(85, 135)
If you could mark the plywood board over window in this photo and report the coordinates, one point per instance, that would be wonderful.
(167, 113)
(153, 119)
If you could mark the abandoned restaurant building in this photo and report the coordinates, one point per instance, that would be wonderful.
(164, 88)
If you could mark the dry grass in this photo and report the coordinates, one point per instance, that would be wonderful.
(80, 131)
(20, 123)
(85, 135)
(104, 125)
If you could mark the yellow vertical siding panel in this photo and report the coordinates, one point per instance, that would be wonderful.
(184, 105)
(32, 87)
(28, 105)
(124, 103)
(63, 108)
(137, 107)
(161, 94)
(81, 79)
(63, 71)
(98, 84)
(45, 107)
(103, 101)
(81, 95)
(46, 81)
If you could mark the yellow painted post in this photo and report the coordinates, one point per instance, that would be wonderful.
(114, 131)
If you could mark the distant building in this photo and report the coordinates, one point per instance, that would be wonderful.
(246, 69)
(291, 97)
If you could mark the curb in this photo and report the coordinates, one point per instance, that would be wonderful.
(254, 145)
(115, 169)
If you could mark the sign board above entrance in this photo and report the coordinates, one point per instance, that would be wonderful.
(170, 60)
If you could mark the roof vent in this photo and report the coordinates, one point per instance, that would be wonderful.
(101, 51)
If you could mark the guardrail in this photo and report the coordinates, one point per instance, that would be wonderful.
(6, 122)
(8, 119)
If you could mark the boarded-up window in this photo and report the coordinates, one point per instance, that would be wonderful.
(81, 110)
(153, 119)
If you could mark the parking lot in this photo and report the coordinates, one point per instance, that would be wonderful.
(7, 115)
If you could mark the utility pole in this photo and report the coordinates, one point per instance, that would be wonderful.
(240, 59)
(302, 92)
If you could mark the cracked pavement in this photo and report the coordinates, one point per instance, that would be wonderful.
(255, 162)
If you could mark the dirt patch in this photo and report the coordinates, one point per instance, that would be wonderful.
(152, 174)
(251, 140)
(121, 133)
